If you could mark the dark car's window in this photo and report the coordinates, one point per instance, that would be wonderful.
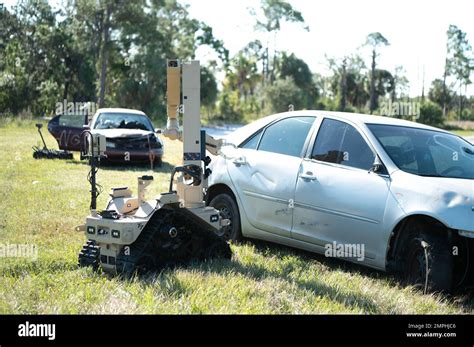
(426, 152)
(72, 120)
(252, 142)
(286, 136)
(340, 143)
(122, 121)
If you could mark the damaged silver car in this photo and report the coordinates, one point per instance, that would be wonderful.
(400, 192)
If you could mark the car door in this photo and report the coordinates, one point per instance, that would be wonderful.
(337, 197)
(265, 171)
(67, 130)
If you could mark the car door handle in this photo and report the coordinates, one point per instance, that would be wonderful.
(239, 161)
(308, 176)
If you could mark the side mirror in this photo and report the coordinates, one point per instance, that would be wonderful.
(377, 166)
(158, 130)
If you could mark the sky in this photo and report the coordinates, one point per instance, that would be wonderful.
(415, 29)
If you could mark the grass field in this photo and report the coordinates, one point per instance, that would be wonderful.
(465, 133)
(43, 200)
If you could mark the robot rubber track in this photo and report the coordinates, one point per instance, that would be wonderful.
(89, 255)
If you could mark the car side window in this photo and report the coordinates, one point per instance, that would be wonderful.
(357, 152)
(286, 136)
(71, 120)
(402, 150)
(340, 143)
(328, 142)
(252, 142)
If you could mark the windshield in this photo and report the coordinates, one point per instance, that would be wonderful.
(122, 121)
(426, 152)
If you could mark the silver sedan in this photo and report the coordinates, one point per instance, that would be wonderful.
(387, 193)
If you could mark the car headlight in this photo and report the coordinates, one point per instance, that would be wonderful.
(155, 142)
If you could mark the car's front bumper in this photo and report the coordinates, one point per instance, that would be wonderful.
(133, 156)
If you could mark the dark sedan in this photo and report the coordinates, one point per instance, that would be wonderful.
(130, 134)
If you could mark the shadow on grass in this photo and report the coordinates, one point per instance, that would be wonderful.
(332, 263)
(166, 280)
(464, 299)
(258, 272)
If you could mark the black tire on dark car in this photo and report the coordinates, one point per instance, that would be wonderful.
(158, 162)
(229, 210)
(428, 261)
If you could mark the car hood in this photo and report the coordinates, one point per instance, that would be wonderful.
(453, 185)
(118, 133)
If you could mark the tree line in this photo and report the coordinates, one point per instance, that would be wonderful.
(113, 52)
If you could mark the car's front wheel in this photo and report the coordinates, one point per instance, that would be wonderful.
(428, 262)
(158, 162)
(228, 208)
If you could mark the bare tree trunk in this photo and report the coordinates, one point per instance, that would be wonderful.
(373, 101)
(393, 94)
(66, 89)
(104, 55)
(462, 101)
(265, 74)
(265, 67)
(272, 74)
(443, 95)
(343, 87)
(97, 39)
(423, 86)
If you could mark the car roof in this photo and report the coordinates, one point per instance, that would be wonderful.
(240, 135)
(360, 118)
(120, 110)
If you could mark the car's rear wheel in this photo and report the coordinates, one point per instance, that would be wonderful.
(428, 262)
(229, 210)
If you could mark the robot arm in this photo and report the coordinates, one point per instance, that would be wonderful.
(173, 108)
(214, 145)
(173, 96)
